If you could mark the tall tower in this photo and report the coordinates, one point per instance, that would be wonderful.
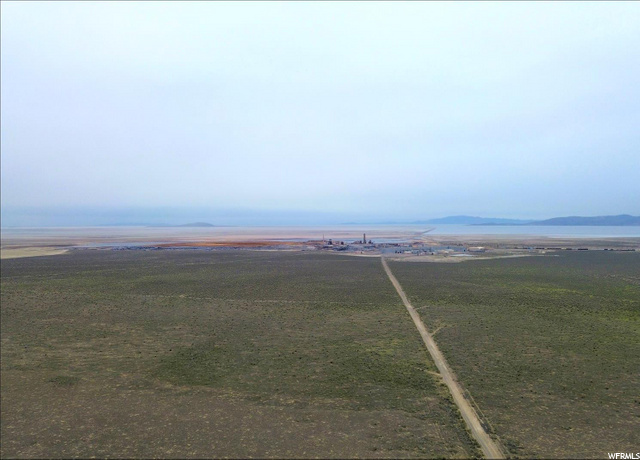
(364, 238)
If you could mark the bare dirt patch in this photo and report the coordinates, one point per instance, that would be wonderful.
(238, 244)
(15, 253)
(453, 259)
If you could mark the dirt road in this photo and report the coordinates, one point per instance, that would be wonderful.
(490, 448)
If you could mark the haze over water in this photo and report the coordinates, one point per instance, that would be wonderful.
(143, 236)
(310, 113)
(533, 230)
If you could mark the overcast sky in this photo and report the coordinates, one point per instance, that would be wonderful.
(344, 110)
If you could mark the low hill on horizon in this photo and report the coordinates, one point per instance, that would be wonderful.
(473, 220)
(619, 220)
(193, 224)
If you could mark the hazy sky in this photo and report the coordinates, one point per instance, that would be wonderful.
(348, 110)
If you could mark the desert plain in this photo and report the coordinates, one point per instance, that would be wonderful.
(277, 344)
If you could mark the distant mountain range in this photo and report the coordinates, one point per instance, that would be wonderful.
(471, 220)
(193, 224)
(620, 220)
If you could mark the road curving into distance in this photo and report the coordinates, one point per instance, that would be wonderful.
(489, 447)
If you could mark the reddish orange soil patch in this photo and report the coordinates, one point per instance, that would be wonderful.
(244, 244)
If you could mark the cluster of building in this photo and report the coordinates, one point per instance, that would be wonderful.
(415, 248)
(341, 245)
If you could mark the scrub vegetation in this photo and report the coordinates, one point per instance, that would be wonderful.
(548, 347)
(190, 353)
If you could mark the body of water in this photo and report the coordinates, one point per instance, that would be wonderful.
(563, 231)
(143, 236)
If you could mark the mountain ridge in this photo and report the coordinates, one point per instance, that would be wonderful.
(192, 224)
(621, 220)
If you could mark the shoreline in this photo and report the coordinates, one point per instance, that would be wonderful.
(407, 246)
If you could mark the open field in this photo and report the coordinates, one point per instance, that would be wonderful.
(548, 347)
(413, 243)
(57, 236)
(202, 353)
(15, 253)
(506, 242)
(187, 353)
(490, 448)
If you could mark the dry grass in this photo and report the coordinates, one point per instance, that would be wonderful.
(188, 353)
(549, 347)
